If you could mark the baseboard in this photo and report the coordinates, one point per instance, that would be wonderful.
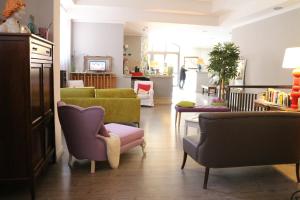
(162, 100)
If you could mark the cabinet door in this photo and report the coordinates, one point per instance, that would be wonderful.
(38, 145)
(49, 133)
(36, 92)
(48, 88)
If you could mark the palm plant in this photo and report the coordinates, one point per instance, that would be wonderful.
(223, 63)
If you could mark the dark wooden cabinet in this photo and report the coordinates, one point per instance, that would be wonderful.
(27, 138)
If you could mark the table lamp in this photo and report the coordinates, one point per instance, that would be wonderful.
(292, 60)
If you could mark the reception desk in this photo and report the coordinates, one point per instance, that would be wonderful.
(163, 88)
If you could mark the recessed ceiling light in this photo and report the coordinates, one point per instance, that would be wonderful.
(277, 8)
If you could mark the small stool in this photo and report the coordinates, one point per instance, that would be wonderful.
(179, 110)
(129, 136)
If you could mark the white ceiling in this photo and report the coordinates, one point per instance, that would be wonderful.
(215, 17)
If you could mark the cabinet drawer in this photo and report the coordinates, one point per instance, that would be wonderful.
(39, 51)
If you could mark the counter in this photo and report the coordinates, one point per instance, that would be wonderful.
(162, 86)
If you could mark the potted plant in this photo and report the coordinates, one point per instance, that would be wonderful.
(223, 63)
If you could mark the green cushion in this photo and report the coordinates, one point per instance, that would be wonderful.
(115, 93)
(77, 92)
(187, 104)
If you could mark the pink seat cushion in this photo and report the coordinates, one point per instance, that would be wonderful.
(127, 134)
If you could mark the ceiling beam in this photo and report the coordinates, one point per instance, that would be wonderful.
(194, 6)
(123, 15)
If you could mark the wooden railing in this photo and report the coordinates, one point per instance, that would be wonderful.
(97, 80)
(241, 97)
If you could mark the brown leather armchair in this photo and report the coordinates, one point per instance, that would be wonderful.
(245, 139)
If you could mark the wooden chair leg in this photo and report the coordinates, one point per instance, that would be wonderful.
(179, 118)
(93, 166)
(297, 172)
(176, 115)
(206, 178)
(184, 160)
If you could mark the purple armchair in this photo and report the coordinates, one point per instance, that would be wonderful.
(81, 126)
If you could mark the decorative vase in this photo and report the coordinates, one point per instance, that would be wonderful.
(31, 25)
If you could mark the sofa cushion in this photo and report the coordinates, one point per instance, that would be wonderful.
(127, 134)
(115, 93)
(77, 92)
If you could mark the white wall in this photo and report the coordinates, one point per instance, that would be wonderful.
(65, 40)
(98, 39)
(134, 47)
(56, 73)
(263, 44)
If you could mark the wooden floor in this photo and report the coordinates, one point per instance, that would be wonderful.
(157, 176)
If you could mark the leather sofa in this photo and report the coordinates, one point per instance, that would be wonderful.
(245, 139)
(121, 104)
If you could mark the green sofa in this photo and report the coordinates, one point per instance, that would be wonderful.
(121, 104)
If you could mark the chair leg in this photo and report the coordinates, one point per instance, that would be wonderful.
(297, 172)
(143, 145)
(176, 119)
(179, 118)
(184, 160)
(70, 160)
(206, 177)
(93, 166)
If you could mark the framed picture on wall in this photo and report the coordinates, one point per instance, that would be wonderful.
(190, 62)
(240, 79)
